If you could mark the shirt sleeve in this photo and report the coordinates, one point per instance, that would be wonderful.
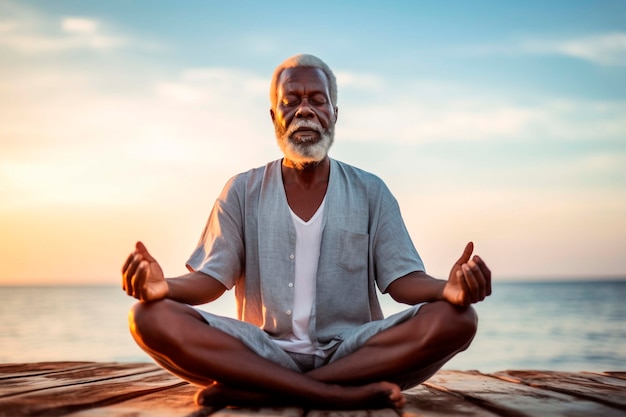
(394, 253)
(220, 250)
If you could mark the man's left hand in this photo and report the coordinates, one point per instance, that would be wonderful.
(469, 280)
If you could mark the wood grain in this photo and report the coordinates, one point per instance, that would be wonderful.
(89, 389)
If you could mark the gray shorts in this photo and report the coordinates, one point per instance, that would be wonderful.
(346, 343)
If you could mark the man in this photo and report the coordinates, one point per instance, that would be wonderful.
(304, 241)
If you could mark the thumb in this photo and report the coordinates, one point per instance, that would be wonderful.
(467, 252)
(141, 249)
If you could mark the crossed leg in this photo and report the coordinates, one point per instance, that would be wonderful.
(177, 337)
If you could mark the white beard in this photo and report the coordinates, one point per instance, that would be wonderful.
(303, 153)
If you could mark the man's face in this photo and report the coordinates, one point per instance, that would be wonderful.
(304, 118)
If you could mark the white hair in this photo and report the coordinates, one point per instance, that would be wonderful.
(305, 61)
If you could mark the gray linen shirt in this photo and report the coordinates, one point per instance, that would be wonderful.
(249, 243)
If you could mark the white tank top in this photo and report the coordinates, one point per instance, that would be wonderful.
(308, 242)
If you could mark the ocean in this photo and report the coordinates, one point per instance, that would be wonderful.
(567, 326)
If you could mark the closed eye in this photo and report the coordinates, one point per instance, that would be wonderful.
(318, 99)
(290, 101)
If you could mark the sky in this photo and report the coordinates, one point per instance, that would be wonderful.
(497, 122)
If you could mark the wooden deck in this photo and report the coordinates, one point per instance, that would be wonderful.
(86, 389)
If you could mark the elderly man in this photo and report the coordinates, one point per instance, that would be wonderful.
(304, 241)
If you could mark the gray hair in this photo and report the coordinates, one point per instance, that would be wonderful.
(306, 61)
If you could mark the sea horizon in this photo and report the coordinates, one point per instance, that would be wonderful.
(509, 280)
(565, 325)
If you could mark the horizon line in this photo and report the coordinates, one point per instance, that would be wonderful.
(507, 280)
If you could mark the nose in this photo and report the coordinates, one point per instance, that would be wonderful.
(304, 110)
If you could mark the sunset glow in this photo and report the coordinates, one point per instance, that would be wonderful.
(503, 128)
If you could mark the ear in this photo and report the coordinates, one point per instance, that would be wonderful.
(336, 113)
(272, 115)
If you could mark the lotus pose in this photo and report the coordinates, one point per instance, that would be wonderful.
(304, 241)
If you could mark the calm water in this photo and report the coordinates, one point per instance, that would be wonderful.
(556, 326)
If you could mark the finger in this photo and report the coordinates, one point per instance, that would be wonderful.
(128, 261)
(467, 252)
(130, 273)
(139, 280)
(486, 273)
(480, 279)
(125, 268)
(141, 248)
(464, 301)
(471, 283)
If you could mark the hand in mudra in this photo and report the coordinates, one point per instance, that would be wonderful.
(469, 280)
(142, 276)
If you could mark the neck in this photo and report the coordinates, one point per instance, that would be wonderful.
(305, 174)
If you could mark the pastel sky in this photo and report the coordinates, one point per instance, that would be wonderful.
(498, 122)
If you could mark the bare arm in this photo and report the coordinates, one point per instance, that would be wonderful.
(194, 288)
(468, 283)
(142, 278)
(416, 287)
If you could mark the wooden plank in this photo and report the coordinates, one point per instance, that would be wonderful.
(610, 378)
(172, 402)
(259, 412)
(72, 376)
(385, 412)
(620, 375)
(426, 402)
(516, 399)
(178, 402)
(39, 368)
(63, 399)
(603, 389)
(143, 389)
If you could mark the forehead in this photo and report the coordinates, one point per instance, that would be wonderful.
(302, 78)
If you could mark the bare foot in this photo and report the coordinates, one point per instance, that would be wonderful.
(375, 395)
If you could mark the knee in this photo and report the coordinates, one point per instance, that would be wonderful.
(145, 321)
(467, 325)
(454, 326)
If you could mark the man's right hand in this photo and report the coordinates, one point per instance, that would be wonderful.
(142, 276)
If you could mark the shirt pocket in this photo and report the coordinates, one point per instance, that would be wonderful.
(352, 251)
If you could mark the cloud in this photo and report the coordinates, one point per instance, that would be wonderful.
(26, 32)
(414, 118)
(113, 145)
(359, 81)
(605, 49)
(216, 119)
(71, 34)
(50, 182)
(31, 45)
(79, 25)
(219, 86)
(8, 26)
(431, 110)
